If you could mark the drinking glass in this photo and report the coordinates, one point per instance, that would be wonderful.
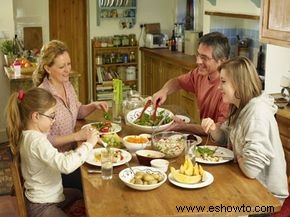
(107, 164)
(190, 147)
(116, 112)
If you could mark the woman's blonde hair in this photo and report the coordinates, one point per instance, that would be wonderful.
(19, 110)
(48, 53)
(246, 82)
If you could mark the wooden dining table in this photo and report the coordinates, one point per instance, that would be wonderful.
(230, 194)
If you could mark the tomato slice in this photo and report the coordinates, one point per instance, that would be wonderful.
(105, 129)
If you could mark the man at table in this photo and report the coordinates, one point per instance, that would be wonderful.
(203, 81)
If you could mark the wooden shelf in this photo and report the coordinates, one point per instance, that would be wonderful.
(232, 15)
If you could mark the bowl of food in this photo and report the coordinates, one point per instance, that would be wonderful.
(145, 156)
(113, 140)
(170, 143)
(147, 124)
(142, 177)
(134, 143)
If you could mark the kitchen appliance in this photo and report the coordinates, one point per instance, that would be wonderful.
(191, 39)
(156, 40)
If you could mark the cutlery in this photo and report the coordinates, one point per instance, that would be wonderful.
(161, 121)
(128, 165)
(91, 171)
(148, 103)
(153, 117)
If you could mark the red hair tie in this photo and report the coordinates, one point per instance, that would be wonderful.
(20, 95)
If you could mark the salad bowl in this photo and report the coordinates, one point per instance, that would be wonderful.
(164, 118)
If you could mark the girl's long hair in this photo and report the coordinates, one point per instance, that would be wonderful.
(246, 82)
(19, 110)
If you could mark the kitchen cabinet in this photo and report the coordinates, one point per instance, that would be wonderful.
(160, 65)
(275, 22)
(113, 62)
(283, 120)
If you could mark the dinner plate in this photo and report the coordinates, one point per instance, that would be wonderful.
(114, 129)
(184, 118)
(220, 151)
(208, 181)
(91, 159)
(198, 138)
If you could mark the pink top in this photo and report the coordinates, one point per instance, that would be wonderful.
(209, 97)
(66, 114)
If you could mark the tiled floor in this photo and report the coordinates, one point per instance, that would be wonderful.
(8, 206)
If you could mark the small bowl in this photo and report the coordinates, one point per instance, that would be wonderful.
(145, 156)
(161, 164)
(136, 145)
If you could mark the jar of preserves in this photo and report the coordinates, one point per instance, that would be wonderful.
(125, 40)
(117, 40)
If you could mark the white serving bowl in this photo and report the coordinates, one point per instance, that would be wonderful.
(135, 146)
(161, 164)
(127, 175)
(134, 114)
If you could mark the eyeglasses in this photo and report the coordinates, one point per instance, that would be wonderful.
(203, 57)
(51, 117)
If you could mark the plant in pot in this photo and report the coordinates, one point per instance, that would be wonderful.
(7, 47)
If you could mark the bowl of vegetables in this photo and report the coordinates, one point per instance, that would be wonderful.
(146, 123)
(170, 143)
(134, 142)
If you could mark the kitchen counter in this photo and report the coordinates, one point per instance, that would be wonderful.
(24, 81)
(178, 58)
(283, 120)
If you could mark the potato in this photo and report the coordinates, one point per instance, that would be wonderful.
(148, 177)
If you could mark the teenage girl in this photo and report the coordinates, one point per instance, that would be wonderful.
(30, 116)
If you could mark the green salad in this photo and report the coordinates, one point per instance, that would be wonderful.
(146, 119)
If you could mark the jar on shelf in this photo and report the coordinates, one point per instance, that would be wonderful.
(132, 40)
(131, 73)
(119, 58)
(116, 40)
(132, 56)
(125, 40)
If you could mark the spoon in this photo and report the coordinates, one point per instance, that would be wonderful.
(128, 165)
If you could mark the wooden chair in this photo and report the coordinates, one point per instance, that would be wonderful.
(18, 186)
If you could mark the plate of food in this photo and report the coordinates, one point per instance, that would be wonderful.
(190, 176)
(113, 140)
(120, 157)
(106, 127)
(200, 184)
(213, 154)
(184, 118)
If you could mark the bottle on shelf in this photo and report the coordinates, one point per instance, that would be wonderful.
(173, 41)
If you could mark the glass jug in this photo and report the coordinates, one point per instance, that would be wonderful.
(133, 100)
